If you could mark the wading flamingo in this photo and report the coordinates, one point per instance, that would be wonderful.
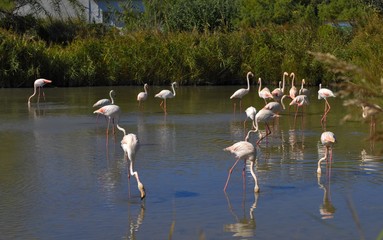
(130, 145)
(265, 92)
(300, 101)
(39, 83)
(370, 111)
(105, 101)
(303, 90)
(264, 116)
(240, 93)
(324, 93)
(112, 112)
(293, 90)
(276, 107)
(165, 94)
(328, 140)
(278, 92)
(246, 151)
(142, 96)
(250, 113)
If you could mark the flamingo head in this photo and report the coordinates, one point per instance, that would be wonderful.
(285, 74)
(250, 74)
(141, 188)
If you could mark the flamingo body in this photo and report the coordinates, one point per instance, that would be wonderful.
(130, 145)
(265, 92)
(142, 96)
(327, 139)
(105, 101)
(165, 94)
(38, 84)
(246, 151)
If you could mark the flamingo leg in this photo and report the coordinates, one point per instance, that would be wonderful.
(166, 111)
(161, 104)
(107, 132)
(38, 96)
(230, 171)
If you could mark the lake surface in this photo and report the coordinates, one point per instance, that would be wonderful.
(60, 180)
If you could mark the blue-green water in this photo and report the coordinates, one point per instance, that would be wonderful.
(59, 179)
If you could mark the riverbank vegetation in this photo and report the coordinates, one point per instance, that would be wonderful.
(194, 43)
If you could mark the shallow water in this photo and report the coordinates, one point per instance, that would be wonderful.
(59, 179)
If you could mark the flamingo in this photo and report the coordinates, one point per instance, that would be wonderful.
(142, 96)
(278, 92)
(265, 116)
(265, 92)
(324, 93)
(246, 151)
(112, 112)
(299, 100)
(165, 94)
(130, 145)
(328, 140)
(105, 101)
(371, 110)
(293, 90)
(304, 91)
(240, 93)
(250, 113)
(39, 83)
(276, 107)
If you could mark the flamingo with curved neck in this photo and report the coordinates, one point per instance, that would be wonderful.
(39, 83)
(165, 94)
(240, 93)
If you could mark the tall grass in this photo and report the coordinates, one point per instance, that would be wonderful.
(190, 58)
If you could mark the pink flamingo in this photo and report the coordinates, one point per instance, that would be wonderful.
(265, 116)
(246, 151)
(293, 90)
(299, 100)
(240, 93)
(265, 92)
(39, 83)
(165, 94)
(370, 111)
(324, 93)
(276, 107)
(130, 145)
(303, 90)
(328, 140)
(278, 92)
(112, 112)
(105, 101)
(142, 96)
(250, 113)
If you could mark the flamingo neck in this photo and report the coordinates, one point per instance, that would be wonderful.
(146, 89)
(174, 91)
(111, 97)
(303, 82)
(283, 105)
(121, 129)
(248, 81)
(260, 85)
(34, 93)
(283, 83)
(256, 187)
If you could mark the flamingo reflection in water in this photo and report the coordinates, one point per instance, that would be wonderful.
(246, 151)
(130, 145)
(243, 227)
(134, 223)
(326, 209)
(328, 140)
